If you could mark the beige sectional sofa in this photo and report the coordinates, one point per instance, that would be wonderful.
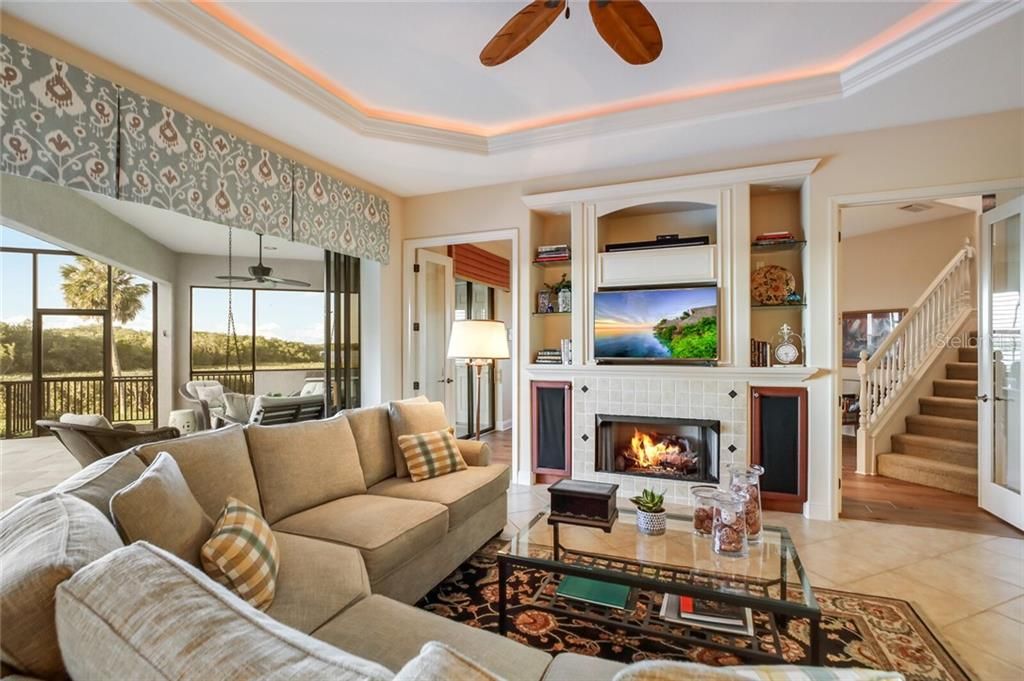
(357, 544)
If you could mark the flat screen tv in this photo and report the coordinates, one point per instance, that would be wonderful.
(662, 324)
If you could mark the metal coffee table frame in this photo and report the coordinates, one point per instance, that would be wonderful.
(649, 581)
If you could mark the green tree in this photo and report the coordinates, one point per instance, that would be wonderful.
(85, 287)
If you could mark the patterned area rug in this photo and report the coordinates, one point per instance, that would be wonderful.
(860, 630)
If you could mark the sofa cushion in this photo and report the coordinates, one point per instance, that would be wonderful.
(438, 661)
(215, 464)
(371, 428)
(409, 417)
(463, 492)
(388, 532)
(98, 481)
(302, 465)
(242, 554)
(393, 633)
(665, 670)
(315, 581)
(159, 508)
(573, 667)
(43, 541)
(431, 455)
(140, 613)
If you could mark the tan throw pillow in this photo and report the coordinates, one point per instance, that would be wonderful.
(438, 661)
(160, 508)
(302, 465)
(242, 554)
(410, 418)
(431, 455)
(44, 540)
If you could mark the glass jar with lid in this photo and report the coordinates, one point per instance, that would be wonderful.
(702, 499)
(746, 480)
(729, 529)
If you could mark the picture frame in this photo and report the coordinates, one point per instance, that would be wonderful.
(865, 330)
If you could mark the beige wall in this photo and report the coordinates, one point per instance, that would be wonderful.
(891, 268)
(966, 150)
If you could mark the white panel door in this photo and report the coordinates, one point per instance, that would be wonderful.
(1001, 409)
(435, 310)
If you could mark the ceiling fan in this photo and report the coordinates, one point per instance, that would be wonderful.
(625, 25)
(259, 272)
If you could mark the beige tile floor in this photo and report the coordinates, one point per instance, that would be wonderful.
(970, 586)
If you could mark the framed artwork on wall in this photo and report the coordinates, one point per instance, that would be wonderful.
(866, 330)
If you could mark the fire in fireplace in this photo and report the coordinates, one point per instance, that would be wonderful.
(678, 449)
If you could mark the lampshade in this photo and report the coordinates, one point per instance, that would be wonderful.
(478, 339)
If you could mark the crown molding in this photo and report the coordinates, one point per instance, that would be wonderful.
(962, 21)
(950, 27)
(775, 172)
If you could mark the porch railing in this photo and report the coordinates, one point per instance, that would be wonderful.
(133, 400)
(233, 381)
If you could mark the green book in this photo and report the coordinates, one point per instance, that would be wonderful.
(594, 591)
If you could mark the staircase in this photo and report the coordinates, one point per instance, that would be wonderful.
(940, 447)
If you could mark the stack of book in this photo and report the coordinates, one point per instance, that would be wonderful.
(774, 237)
(549, 356)
(555, 253)
(696, 612)
(760, 353)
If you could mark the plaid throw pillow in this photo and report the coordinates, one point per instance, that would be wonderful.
(429, 455)
(242, 554)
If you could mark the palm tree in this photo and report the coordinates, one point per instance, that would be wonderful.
(85, 287)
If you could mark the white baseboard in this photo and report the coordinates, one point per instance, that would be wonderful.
(504, 425)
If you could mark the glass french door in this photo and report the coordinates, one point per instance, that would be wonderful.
(435, 311)
(77, 382)
(1001, 409)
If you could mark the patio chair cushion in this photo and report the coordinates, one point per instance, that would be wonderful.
(303, 465)
(160, 508)
(44, 540)
(215, 464)
(98, 481)
(92, 420)
(210, 392)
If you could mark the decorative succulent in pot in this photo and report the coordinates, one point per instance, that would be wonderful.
(650, 512)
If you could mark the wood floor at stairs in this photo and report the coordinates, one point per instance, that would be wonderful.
(940, 446)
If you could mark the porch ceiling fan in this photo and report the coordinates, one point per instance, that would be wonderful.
(259, 272)
(626, 25)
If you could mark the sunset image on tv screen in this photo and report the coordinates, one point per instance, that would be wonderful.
(656, 324)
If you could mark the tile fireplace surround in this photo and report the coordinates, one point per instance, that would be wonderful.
(724, 401)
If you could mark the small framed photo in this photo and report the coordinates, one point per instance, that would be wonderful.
(866, 330)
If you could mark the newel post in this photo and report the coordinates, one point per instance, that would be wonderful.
(865, 462)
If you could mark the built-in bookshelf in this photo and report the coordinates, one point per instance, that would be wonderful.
(549, 328)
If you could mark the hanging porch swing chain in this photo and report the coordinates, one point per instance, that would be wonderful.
(232, 334)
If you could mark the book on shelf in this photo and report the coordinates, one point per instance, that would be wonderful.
(707, 614)
(566, 351)
(549, 356)
(760, 353)
(775, 236)
(552, 247)
(594, 591)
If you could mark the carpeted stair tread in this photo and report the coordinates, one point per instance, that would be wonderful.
(952, 387)
(968, 355)
(962, 370)
(940, 474)
(936, 448)
(951, 407)
(942, 426)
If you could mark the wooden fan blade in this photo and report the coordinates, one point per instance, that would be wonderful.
(521, 30)
(289, 282)
(628, 28)
(234, 277)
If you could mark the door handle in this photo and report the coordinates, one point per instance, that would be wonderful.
(449, 380)
(981, 398)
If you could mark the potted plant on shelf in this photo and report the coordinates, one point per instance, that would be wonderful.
(650, 512)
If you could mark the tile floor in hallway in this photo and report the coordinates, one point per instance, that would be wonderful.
(969, 585)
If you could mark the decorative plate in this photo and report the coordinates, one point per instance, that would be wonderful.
(771, 284)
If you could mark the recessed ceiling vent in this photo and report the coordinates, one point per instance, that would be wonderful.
(916, 207)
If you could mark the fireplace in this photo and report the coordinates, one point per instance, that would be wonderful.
(675, 449)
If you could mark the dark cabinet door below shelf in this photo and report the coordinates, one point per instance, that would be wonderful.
(551, 426)
(778, 443)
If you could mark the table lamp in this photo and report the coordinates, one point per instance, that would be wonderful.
(480, 341)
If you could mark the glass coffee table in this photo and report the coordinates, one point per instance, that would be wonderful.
(678, 562)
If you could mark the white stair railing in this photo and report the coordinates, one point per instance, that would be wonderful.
(888, 373)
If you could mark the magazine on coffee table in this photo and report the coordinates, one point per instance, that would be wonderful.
(707, 615)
